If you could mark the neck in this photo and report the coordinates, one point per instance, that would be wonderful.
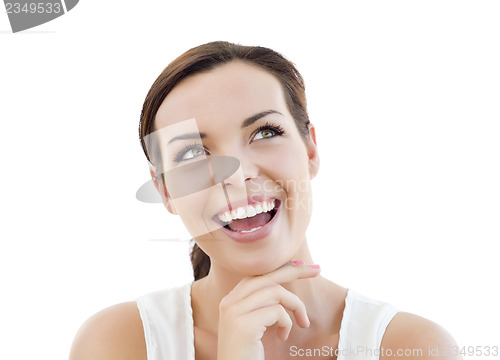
(209, 291)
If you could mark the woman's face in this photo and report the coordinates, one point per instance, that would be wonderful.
(237, 111)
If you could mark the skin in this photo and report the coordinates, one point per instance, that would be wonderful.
(254, 298)
(266, 164)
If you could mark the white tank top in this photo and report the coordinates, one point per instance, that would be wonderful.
(167, 319)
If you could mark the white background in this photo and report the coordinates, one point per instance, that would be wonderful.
(405, 98)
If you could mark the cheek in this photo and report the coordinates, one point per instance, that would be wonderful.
(288, 166)
(196, 211)
(290, 171)
(192, 210)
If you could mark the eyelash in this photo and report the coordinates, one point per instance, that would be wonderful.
(274, 127)
(278, 130)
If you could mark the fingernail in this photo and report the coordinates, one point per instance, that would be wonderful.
(297, 262)
(314, 266)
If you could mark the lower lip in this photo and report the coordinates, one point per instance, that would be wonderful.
(254, 235)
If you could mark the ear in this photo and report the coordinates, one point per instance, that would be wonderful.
(312, 151)
(162, 190)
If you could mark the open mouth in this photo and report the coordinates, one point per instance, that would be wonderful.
(248, 219)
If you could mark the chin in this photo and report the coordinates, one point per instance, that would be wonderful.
(263, 265)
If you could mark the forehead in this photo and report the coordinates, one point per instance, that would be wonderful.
(230, 92)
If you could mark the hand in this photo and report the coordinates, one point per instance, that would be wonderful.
(256, 303)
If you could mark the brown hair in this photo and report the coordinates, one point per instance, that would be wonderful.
(206, 57)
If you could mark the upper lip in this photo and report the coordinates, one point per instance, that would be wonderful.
(244, 202)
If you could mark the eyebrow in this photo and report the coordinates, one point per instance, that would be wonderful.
(188, 136)
(256, 117)
(247, 122)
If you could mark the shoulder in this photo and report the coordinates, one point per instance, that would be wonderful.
(414, 337)
(113, 333)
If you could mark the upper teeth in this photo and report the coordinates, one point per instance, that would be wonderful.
(247, 211)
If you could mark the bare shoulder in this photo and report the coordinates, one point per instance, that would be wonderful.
(420, 338)
(113, 333)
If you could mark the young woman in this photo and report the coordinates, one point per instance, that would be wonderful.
(232, 152)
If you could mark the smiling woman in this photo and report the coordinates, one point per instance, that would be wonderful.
(232, 152)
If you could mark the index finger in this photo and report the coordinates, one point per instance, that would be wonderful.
(286, 273)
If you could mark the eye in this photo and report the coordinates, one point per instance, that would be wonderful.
(190, 152)
(268, 131)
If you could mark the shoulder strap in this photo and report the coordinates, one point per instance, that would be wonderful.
(363, 325)
(167, 320)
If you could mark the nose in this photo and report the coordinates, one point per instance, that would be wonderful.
(247, 171)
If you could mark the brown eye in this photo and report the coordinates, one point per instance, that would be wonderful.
(268, 131)
(265, 133)
(198, 152)
(190, 152)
